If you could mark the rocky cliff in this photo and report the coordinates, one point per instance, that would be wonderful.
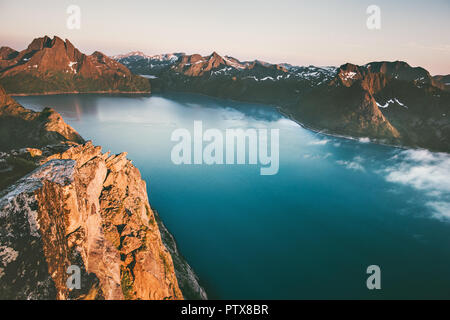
(81, 208)
(23, 127)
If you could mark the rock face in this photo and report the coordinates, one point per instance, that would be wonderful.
(20, 129)
(409, 100)
(352, 112)
(55, 66)
(87, 209)
(80, 208)
(20, 126)
(187, 279)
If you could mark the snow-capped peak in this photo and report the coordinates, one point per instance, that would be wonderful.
(129, 54)
(159, 57)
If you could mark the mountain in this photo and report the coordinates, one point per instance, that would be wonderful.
(409, 99)
(444, 81)
(7, 53)
(388, 102)
(63, 203)
(147, 65)
(215, 65)
(227, 77)
(20, 126)
(56, 66)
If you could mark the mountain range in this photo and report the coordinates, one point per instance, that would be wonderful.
(388, 102)
(56, 66)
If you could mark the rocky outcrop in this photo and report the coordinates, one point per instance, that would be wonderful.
(56, 66)
(21, 130)
(20, 126)
(87, 209)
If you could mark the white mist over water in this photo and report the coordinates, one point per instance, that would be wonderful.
(425, 171)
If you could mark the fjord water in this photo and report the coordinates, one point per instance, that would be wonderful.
(335, 207)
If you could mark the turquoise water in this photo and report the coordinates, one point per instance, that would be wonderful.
(335, 207)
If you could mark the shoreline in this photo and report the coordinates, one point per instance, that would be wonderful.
(276, 107)
(55, 93)
(289, 116)
(336, 135)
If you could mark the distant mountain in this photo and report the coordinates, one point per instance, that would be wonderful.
(444, 81)
(215, 65)
(227, 77)
(147, 65)
(55, 66)
(389, 102)
(7, 53)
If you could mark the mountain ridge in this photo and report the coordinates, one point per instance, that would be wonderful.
(389, 102)
(56, 65)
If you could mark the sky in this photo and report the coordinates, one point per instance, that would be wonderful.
(322, 33)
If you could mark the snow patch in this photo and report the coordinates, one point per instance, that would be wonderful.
(364, 140)
(148, 76)
(391, 101)
(71, 64)
(348, 75)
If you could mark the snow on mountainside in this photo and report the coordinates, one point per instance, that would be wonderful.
(143, 64)
(54, 65)
(138, 55)
(215, 66)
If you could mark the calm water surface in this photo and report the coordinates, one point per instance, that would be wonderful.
(335, 207)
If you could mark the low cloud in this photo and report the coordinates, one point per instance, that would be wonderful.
(318, 142)
(425, 171)
(354, 164)
(441, 209)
